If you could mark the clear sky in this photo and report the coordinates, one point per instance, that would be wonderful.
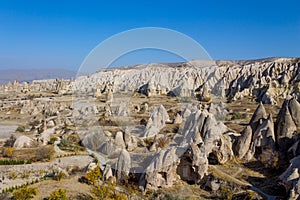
(59, 34)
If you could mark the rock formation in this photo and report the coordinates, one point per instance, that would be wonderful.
(156, 122)
(287, 124)
(291, 178)
(23, 141)
(243, 144)
(258, 139)
(161, 171)
(123, 166)
(266, 80)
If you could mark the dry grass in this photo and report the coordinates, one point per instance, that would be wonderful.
(31, 153)
(71, 185)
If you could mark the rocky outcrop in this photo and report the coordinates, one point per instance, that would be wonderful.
(219, 111)
(109, 97)
(119, 140)
(156, 122)
(130, 141)
(161, 172)
(265, 79)
(291, 178)
(193, 164)
(259, 113)
(123, 166)
(243, 143)
(258, 139)
(22, 142)
(287, 124)
(94, 140)
(178, 119)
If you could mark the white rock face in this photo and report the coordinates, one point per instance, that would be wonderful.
(23, 142)
(266, 79)
(130, 141)
(123, 166)
(202, 136)
(119, 140)
(244, 142)
(258, 135)
(199, 161)
(287, 123)
(178, 119)
(157, 121)
(202, 127)
(161, 171)
(46, 135)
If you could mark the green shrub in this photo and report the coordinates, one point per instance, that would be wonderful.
(20, 129)
(207, 99)
(52, 140)
(149, 141)
(238, 116)
(60, 175)
(93, 176)
(59, 194)
(25, 193)
(8, 152)
(226, 193)
(172, 197)
(13, 175)
(107, 192)
(12, 162)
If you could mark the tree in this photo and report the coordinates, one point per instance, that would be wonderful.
(8, 152)
(107, 192)
(59, 194)
(25, 193)
(93, 176)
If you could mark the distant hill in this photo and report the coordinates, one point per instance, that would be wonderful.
(22, 75)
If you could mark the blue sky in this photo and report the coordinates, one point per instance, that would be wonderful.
(60, 34)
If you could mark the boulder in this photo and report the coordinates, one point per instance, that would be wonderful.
(294, 107)
(23, 142)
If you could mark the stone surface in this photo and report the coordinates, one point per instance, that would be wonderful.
(156, 122)
(123, 166)
(243, 143)
(287, 123)
(23, 141)
(161, 171)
